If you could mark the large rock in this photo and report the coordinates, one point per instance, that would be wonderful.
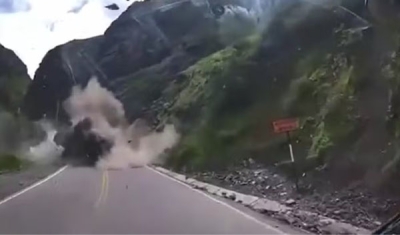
(81, 145)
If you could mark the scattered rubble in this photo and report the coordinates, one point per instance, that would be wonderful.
(16, 181)
(290, 202)
(352, 204)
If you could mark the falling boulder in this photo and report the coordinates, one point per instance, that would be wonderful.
(82, 146)
(113, 7)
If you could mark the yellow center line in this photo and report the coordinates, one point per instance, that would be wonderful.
(104, 189)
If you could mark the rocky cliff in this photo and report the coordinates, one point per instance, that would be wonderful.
(14, 80)
(148, 44)
(14, 127)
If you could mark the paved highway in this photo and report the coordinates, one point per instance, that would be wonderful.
(85, 200)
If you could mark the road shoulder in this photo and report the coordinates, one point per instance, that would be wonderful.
(305, 220)
(14, 182)
(270, 224)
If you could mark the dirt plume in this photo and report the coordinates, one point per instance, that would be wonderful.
(133, 145)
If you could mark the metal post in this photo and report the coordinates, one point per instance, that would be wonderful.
(293, 160)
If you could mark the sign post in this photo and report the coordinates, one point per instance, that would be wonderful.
(286, 126)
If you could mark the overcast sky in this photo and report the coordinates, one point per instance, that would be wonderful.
(32, 27)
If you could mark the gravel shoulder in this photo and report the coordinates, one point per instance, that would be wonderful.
(353, 203)
(13, 182)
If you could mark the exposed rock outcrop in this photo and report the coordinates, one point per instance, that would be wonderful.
(15, 129)
(149, 40)
(14, 80)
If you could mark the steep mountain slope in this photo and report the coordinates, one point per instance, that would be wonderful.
(16, 131)
(160, 40)
(324, 67)
(14, 80)
(300, 66)
(171, 61)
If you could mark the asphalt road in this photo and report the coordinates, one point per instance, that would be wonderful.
(85, 200)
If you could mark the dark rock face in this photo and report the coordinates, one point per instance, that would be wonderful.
(14, 79)
(151, 39)
(62, 68)
(10, 64)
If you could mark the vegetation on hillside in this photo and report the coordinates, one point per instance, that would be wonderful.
(225, 104)
(10, 163)
(12, 91)
(16, 131)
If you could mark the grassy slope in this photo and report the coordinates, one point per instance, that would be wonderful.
(9, 163)
(227, 101)
(230, 106)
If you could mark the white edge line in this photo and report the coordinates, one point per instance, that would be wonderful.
(33, 185)
(247, 216)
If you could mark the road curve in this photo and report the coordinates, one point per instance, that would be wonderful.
(85, 200)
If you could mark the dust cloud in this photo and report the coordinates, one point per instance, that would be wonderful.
(134, 145)
(47, 151)
(27, 140)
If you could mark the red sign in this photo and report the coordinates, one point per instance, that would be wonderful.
(286, 125)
